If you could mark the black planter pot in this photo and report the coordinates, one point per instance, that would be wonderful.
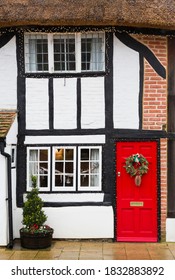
(37, 240)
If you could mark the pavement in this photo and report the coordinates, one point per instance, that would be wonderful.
(92, 250)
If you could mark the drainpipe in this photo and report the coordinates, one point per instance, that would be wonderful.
(9, 197)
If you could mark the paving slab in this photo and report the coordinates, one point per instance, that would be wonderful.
(92, 250)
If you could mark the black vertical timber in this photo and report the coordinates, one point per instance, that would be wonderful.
(109, 84)
(141, 90)
(21, 104)
(21, 151)
(108, 154)
(171, 126)
(171, 84)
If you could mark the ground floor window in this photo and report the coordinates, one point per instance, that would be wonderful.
(65, 168)
(38, 165)
(89, 168)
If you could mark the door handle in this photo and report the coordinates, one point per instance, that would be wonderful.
(118, 174)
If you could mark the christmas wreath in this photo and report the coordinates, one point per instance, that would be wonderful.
(136, 165)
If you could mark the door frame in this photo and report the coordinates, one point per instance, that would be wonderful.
(158, 184)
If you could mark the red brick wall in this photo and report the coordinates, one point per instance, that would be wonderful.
(155, 109)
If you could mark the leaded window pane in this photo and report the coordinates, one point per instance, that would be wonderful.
(64, 53)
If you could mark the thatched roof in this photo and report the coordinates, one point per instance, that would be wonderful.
(134, 13)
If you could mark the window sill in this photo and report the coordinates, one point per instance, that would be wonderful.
(72, 197)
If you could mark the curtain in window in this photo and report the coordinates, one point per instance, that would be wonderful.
(96, 54)
(32, 55)
(94, 167)
(33, 165)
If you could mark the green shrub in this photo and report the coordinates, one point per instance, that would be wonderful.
(33, 215)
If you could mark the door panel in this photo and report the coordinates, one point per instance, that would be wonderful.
(136, 206)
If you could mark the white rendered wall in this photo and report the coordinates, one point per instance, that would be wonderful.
(11, 139)
(170, 230)
(92, 103)
(65, 103)
(8, 76)
(37, 104)
(76, 222)
(126, 86)
(3, 202)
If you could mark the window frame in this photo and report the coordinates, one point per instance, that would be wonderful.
(28, 169)
(90, 188)
(76, 169)
(63, 188)
(78, 53)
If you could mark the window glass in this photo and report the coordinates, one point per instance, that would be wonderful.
(38, 165)
(64, 168)
(36, 53)
(92, 53)
(89, 170)
(64, 163)
(64, 52)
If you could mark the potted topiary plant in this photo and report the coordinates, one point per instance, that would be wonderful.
(35, 234)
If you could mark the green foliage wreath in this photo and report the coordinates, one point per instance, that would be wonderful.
(136, 164)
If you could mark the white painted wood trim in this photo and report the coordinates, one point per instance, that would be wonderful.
(50, 53)
(71, 197)
(72, 139)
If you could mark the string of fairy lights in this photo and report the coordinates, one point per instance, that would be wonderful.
(21, 30)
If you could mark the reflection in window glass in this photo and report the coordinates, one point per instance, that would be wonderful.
(38, 166)
(89, 167)
(92, 52)
(64, 167)
(64, 52)
(64, 161)
(36, 53)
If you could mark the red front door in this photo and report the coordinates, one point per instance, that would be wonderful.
(136, 205)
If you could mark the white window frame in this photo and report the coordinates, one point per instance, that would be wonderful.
(28, 178)
(27, 36)
(50, 38)
(76, 173)
(90, 188)
(63, 188)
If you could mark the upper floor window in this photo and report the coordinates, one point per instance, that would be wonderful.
(70, 52)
